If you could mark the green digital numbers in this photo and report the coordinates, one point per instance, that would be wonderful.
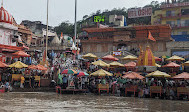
(99, 19)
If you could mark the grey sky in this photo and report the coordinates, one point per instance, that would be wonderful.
(63, 10)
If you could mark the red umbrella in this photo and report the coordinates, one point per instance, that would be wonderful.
(110, 57)
(41, 67)
(69, 71)
(132, 75)
(183, 75)
(33, 67)
(157, 58)
(21, 54)
(131, 64)
(172, 65)
(3, 65)
(80, 74)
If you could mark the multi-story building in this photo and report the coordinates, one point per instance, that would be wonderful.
(116, 20)
(175, 14)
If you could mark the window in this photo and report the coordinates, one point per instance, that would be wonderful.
(187, 22)
(185, 11)
(168, 13)
(184, 33)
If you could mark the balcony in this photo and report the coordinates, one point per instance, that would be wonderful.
(164, 16)
(180, 26)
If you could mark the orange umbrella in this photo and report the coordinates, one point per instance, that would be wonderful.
(131, 64)
(21, 54)
(41, 67)
(3, 65)
(183, 75)
(110, 57)
(132, 75)
(33, 67)
(172, 65)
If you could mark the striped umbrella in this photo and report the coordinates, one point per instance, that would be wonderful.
(69, 71)
(80, 74)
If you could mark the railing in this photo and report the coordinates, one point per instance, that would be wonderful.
(164, 16)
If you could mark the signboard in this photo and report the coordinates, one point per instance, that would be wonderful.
(116, 53)
(139, 12)
(175, 5)
(98, 19)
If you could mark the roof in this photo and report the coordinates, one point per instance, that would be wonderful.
(90, 30)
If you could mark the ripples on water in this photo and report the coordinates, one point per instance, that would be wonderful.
(52, 102)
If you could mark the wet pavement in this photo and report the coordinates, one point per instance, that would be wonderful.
(52, 102)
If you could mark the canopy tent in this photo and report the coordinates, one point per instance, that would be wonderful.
(130, 64)
(21, 54)
(18, 64)
(69, 71)
(101, 72)
(165, 57)
(172, 65)
(132, 75)
(157, 58)
(89, 56)
(129, 57)
(158, 74)
(100, 63)
(110, 57)
(80, 74)
(175, 58)
(3, 65)
(183, 75)
(116, 64)
(147, 59)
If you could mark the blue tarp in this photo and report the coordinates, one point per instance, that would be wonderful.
(180, 37)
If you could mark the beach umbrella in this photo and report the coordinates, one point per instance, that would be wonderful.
(186, 63)
(3, 65)
(116, 64)
(89, 56)
(132, 75)
(69, 71)
(157, 65)
(18, 64)
(100, 63)
(21, 54)
(175, 58)
(110, 57)
(41, 67)
(183, 75)
(172, 65)
(80, 74)
(165, 56)
(157, 58)
(131, 64)
(129, 57)
(32, 67)
(158, 74)
(101, 72)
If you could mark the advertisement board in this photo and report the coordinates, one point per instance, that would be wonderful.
(175, 5)
(139, 12)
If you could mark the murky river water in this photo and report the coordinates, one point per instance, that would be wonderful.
(52, 102)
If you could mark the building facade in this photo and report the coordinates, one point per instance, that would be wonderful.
(175, 14)
(102, 41)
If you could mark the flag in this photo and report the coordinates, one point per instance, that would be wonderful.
(61, 37)
(150, 37)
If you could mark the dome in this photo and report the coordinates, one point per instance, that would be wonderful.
(5, 16)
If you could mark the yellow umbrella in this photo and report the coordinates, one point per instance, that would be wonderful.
(186, 63)
(100, 63)
(89, 55)
(116, 64)
(157, 65)
(175, 58)
(101, 72)
(129, 57)
(18, 64)
(158, 74)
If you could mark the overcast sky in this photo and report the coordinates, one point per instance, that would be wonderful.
(63, 10)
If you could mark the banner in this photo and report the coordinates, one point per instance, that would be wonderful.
(139, 12)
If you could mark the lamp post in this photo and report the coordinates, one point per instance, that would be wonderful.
(75, 21)
(47, 28)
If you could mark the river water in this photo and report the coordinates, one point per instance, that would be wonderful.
(52, 102)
